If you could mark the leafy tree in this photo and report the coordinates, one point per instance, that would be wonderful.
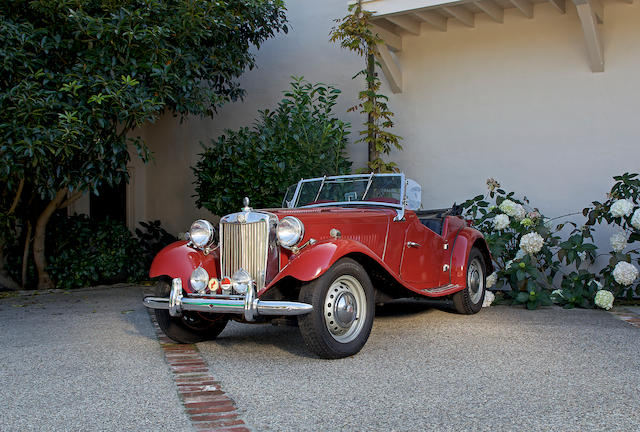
(300, 138)
(78, 76)
(354, 33)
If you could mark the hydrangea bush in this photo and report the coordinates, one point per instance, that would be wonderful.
(621, 210)
(528, 251)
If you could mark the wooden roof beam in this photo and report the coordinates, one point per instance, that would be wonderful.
(434, 19)
(391, 70)
(393, 41)
(588, 13)
(524, 6)
(461, 14)
(494, 11)
(405, 23)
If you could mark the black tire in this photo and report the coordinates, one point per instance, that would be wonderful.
(191, 327)
(469, 300)
(351, 298)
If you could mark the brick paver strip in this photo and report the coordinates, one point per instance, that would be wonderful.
(204, 401)
(627, 315)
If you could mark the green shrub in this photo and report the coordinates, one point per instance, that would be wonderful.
(152, 238)
(301, 138)
(83, 253)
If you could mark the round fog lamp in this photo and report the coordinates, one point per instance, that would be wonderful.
(241, 280)
(289, 231)
(199, 280)
(201, 233)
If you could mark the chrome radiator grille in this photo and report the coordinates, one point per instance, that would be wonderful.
(245, 245)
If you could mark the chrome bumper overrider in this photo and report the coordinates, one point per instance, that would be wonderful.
(251, 307)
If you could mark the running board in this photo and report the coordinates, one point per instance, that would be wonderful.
(441, 290)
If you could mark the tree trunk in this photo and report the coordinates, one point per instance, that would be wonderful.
(44, 280)
(25, 254)
(371, 137)
(5, 280)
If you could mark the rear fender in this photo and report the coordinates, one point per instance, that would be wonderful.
(178, 261)
(467, 239)
(315, 260)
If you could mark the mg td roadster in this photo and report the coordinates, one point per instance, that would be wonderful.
(338, 246)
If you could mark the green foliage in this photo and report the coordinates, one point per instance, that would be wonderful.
(85, 253)
(527, 273)
(78, 76)
(152, 238)
(354, 32)
(627, 188)
(300, 138)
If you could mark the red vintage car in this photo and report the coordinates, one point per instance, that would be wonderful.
(337, 247)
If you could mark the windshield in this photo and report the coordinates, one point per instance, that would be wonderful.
(383, 189)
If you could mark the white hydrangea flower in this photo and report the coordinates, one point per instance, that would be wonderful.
(618, 241)
(625, 273)
(519, 212)
(604, 299)
(501, 222)
(509, 207)
(582, 255)
(621, 207)
(489, 297)
(531, 243)
(508, 264)
(492, 279)
(635, 219)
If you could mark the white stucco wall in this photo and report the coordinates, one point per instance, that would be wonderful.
(515, 101)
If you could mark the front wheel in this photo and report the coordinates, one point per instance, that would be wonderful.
(343, 310)
(191, 327)
(469, 300)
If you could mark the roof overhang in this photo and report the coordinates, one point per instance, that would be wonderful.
(395, 19)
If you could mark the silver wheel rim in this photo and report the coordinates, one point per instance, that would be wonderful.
(475, 280)
(345, 308)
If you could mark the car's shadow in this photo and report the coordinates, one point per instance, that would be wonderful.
(288, 338)
(404, 307)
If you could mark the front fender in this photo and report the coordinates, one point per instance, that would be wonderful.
(179, 260)
(460, 255)
(315, 260)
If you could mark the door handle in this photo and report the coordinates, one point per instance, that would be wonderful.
(413, 244)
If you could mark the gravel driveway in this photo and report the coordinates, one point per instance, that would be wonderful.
(90, 361)
(503, 369)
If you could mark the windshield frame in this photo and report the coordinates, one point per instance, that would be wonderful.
(293, 203)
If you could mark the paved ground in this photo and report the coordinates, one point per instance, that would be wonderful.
(90, 361)
(503, 369)
(84, 361)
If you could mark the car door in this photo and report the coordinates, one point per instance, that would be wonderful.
(422, 256)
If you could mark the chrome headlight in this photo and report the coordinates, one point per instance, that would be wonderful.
(201, 233)
(199, 280)
(241, 280)
(289, 231)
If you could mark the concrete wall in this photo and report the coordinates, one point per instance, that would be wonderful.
(514, 101)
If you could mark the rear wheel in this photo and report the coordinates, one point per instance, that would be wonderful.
(469, 300)
(343, 310)
(191, 327)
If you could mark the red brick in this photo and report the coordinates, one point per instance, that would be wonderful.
(211, 409)
(212, 417)
(233, 429)
(194, 394)
(217, 424)
(212, 403)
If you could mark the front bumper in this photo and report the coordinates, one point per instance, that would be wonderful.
(250, 307)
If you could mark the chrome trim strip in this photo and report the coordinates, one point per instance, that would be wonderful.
(250, 307)
(440, 289)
